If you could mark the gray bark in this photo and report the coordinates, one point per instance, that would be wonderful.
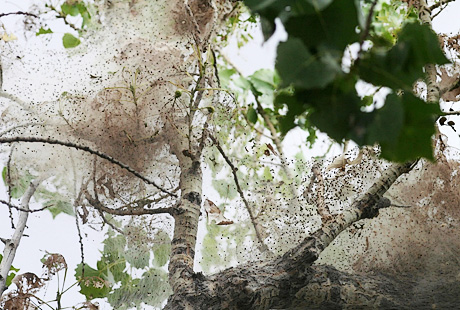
(291, 281)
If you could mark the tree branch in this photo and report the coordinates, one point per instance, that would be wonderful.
(12, 245)
(430, 69)
(86, 149)
(279, 147)
(18, 13)
(123, 212)
(263, 246)
(323, 211)
(19, 126)
(12, 206)
(439, 3)
(80, 240)
(367, 207)
(277, 283)
(366, 29)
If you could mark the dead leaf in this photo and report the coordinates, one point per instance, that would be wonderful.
(214, 214)
(448, 84)
(270, 147)
(54, 262)
(340, 162)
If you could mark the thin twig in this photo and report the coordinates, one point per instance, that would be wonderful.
(80, 240)
(86, 149)
(140, 203)
(12, 206)
(18, 13)
(439, 3)
(123, 212)
(61, 15)
(16, 99)
(366, 29)
(110, 224)
(263, 246)
(279, 147)
(8, 185)
(17, 127)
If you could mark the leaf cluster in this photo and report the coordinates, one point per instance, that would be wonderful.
(113, 276)
(67, 11)
(317, 85)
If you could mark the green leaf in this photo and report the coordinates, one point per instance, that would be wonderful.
(9, 278)
(267, 174)
(388, 121)
(252, 115)
(124, 297)
(19, 184)
(161, 249)
(59, 206)
(5, 175)
(55, 202)
(152, 289)
(403, 64)
(335, 110)
(297, 66)
(225, 188)
(69, 41)
(295, 108)
(84, 14)
(161, 254)
(225, 76)
(334, 27)
(93, 284)
(113, 259)
(43, 31)
(264, 81)
(137, 255)
(243, 83)
(269, 10)
(68, 9)
(11, 274)
(415, 137)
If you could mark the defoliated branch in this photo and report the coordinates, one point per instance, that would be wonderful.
(263, 246)
(439, 3)
(124, 212)
(86, 149)
(275, 138)
(18, 13)
(12, 245)
(22, 209)
(367, 206)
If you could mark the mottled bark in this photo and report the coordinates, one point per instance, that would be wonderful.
(430, 69)
(11, 245)
(290, 280)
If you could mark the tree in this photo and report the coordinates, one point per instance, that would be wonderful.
(146, 99)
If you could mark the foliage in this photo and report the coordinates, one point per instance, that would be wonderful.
(65, 12)
(323, 91)
(114, 276)
(11, 274)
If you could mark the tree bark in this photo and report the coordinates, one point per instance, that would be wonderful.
(290, 280)
(11, 245)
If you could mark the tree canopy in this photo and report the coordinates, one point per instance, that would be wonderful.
(129, 117)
